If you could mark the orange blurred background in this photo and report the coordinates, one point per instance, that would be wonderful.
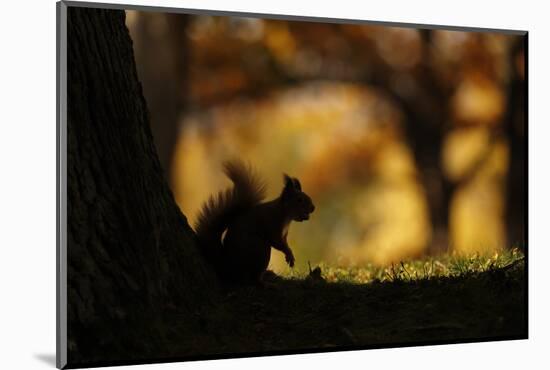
(410, 141)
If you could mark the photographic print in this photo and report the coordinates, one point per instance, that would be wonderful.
(238, 185)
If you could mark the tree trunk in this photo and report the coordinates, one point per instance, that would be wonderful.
(426, 115)
(130, 251)
(516, 131)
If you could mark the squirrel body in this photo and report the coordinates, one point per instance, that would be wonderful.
(236, 230)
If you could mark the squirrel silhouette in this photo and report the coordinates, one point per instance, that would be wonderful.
(236, 230)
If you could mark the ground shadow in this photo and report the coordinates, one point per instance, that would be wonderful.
(47, 358)
(305, 314)
(297, 315)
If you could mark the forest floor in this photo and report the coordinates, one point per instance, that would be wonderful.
(449, 299)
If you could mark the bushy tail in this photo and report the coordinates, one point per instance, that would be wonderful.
(216, 213)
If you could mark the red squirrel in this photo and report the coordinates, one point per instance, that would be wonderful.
(236, 230)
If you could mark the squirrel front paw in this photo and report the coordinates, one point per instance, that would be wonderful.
(289, 257)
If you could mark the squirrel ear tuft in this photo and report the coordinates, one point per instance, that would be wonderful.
(292, 182)
(297, 184)
(287, 179)
(288, 187)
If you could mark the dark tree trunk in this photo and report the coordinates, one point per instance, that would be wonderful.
(426, 141)
(131, 253)
(516, 132)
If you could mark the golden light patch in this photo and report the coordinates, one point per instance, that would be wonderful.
(478, 101)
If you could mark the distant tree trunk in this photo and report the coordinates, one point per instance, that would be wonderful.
(426, 130)
(426, 114)
(425, 136)
(130, 250)
(516, 132)
(161, 52)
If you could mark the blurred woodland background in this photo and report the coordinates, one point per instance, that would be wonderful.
(410, 141)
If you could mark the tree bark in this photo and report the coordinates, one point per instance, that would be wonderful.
(130, 250)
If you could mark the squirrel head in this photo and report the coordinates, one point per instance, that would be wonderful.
(296, 203)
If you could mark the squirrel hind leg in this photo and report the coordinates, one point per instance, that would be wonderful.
(246, 257)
